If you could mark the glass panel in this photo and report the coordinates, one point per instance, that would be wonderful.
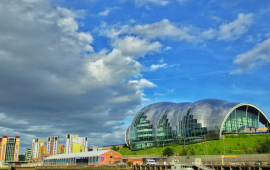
(238, 120)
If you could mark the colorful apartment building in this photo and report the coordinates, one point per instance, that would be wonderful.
(28, 154)
(52, 144)
(9, 148)
(75, 144)
(43, 151)
(36, 147)
(61, 149)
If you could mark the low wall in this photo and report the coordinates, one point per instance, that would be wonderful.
(85, 167)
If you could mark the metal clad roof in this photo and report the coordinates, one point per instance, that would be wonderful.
(79, 154)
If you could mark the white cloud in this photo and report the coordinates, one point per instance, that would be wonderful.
(56, 80)
(156, 2)
(155, 67)
(104, 13)
(259, 55)
(162, 29)
(165, 29)
(107, 11)
(135, 47)
(143, 83)
(232, 30)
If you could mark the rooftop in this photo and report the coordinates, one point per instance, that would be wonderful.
(79, 154)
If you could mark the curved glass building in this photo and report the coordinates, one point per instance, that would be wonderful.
(166, 122)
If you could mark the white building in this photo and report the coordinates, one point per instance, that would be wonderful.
(71, 140)
(94, 148)
(36, 144)
(52, 144)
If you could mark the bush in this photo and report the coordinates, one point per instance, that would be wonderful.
(168, 152)
(115, 148)
(262, 146)
(192, 152)
(174, 145)
(184, 152)
(129, 163)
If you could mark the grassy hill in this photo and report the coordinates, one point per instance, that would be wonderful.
(233, 145)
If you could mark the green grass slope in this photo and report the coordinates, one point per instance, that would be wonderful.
(233, 145)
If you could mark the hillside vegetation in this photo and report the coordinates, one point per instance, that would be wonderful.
(233, 145)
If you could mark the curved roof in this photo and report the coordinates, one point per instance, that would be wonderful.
(207, 111)
(211, 113)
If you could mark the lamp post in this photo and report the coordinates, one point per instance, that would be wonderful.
(224, 145)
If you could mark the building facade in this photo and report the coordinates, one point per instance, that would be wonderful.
(9, 148)
(61, 149)
(75, 144)
(28, 154)
(52, 144)
(43, 151)
(84, 158)
(36, 147)
(167, 122)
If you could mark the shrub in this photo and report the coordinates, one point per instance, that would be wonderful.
(184, 151)
(129, 163)
(168, 151)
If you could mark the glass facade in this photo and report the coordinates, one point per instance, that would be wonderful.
(166, 122)
(239, 120)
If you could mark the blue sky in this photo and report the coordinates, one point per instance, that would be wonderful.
(86, 67)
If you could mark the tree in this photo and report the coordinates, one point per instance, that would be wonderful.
(244, 148)
(262, 146)
(21, 157)
(125, 146)
(184, 151)
(192, 152)
(168, 151)
(114, 148)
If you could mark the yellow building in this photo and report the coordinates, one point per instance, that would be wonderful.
(43, 151)
(76, 147)
(9, 148)
(61, 149)
(17, 148)
(75, 144)
(41, 148)
(263, 129)
(3, 148)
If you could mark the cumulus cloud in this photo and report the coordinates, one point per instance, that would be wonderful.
(259, 55)
(162, 29)
(133, 46)
(232, 30)
(165, 29)
(51, 85)
(154, 67)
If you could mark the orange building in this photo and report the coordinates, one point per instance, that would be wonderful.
(106, 158)
(89, 158)
(135, 161)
